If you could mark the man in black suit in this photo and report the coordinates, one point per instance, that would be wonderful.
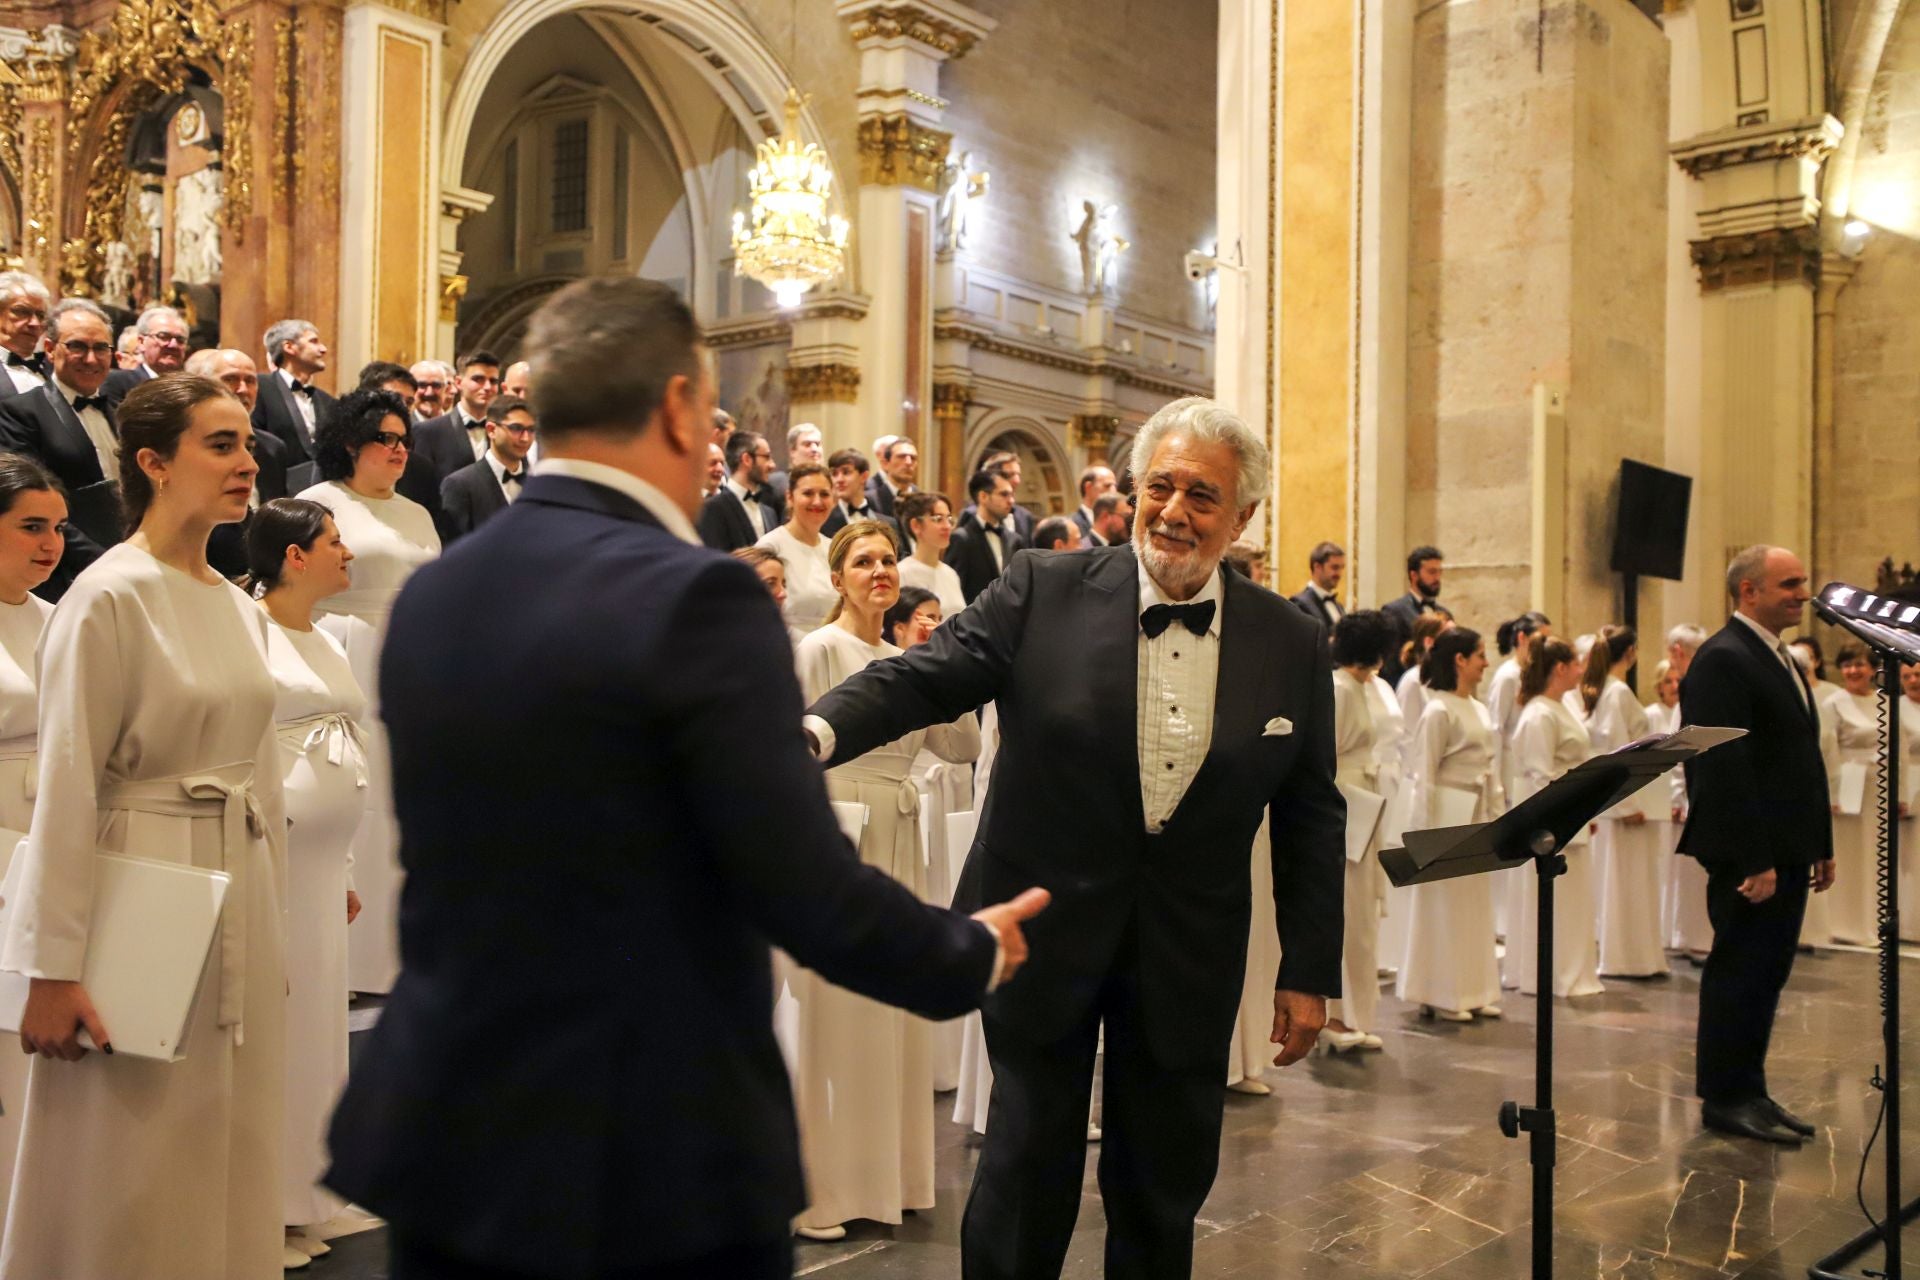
(899, 470)
(234, 369)
(1319, 599)
(983, 541)
(576, 1073)
(1056, 533)
(1112, 520)
(1148, 931)
(1096, 481)
(24, 302)
(67, 426)
(741, 512)
(804, 446)
(289, 405)
(847, 471)
(1425, 567)
(458, 437)
(1007, 464)
(476, 493)
(163, 349)
(1760, 822)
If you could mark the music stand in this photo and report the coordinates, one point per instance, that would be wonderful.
(1535, 830)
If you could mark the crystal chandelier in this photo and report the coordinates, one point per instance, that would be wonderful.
(792, 243)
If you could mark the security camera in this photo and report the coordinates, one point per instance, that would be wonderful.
(1200, 265)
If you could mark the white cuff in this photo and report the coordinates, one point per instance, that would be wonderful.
(999, 957)
(823, 734)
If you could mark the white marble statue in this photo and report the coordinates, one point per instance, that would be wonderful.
(1100, 248)
(116, 283)
(196, 232)
(959, 188)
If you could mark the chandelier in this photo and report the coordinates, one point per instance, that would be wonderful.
(792, 243)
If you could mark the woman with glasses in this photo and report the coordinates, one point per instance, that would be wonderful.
(361, 452)
(927, 519)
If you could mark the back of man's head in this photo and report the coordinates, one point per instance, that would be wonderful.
(1056, 533)
(603, 351)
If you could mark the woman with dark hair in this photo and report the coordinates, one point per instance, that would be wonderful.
(1684, 924)
(863, 1071)
(1629, 854)
(33, 507)
(361, 451)
(155, 702)
(1451, 970)
(296, 558)
(927, 520)
(810, 593)
(1513, 638)
(912, 618)
(1550, 740)
(1411, 691)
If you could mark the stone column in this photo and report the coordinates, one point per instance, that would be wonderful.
(826, 371)
(1094, 433)
(948, 473)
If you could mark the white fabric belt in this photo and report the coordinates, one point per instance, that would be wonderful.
(25, 747)
(224, 792)
(340, 733)
(906, 791)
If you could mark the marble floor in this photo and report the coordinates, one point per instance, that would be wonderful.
(1390, 1165)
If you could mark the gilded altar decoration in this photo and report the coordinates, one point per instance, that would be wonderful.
(790, 242)
(898, 150)
(284, 151)
(38, 197)
(236, 60)
(816, 383)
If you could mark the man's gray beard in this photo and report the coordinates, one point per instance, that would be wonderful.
(1175, 577)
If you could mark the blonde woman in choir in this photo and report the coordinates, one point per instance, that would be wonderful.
(155, 704)
(1514, 639)
(1629, 850)
(361, 451)
(927, 520)
(811, 597)
(1451, 970)
(1684, 926)
(1854, 913)
(1909, 789)
(33, 511)
(296, 558)
(863, 1072)
(1549, 741)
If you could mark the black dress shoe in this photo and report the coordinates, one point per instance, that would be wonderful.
(1747, 1120)
(1787, 1120)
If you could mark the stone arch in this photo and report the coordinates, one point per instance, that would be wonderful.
(1046, 482)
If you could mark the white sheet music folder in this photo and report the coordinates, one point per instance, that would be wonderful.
(153, 927)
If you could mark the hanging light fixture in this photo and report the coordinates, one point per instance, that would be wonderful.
(789, 242)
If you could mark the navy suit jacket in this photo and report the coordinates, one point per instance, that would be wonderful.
(1760, 802)
(1054, 645)
(576, 1071)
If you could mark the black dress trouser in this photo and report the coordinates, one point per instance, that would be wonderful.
(1753, 950)
(767, 1260)
(1160, 1145)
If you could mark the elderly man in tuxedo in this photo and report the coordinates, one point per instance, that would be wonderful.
(163, 349)
(1759, 821)
(1192, 704)
(24, 302)
(234, 369)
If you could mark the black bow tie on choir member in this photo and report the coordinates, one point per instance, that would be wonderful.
(300, 388)
(83, 403)
(1195, 617)
(513, 477)
(36, 362)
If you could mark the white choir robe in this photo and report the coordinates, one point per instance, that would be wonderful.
(1391, 733)
(323, 761)
(1253, 1051)
(1853, 903)
(1816, 927)
(389, 538)
(20, 629)
(1683, 910)
(1451, 963)
(1503, 703)
(1410, 696)
(944, 789)
(1357, 765)
(1550, 741)
(1909, 826)
(976, 1072)
(129, 1167)
(1629, 857)
(863, 1071)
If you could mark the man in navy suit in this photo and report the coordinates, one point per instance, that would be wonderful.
(576, 1073)
(1191, 703)
(481, 490)
(289, 405)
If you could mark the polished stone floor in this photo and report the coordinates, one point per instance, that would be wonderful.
(1390, 1165)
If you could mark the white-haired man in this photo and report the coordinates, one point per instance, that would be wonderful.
(291, 406)
(24, 302)
(433, 381)
(163, 349)
(1192, 704)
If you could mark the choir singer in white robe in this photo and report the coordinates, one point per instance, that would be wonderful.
(1630, 853)
(155, 702)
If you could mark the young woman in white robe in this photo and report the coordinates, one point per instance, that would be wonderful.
(296, 558)
(1410, 697)
(1684, 924)
(1629, 851)
(863, 1072)
(1514, 638)
(33, 511)
(810, 594)
(361, 451)
(927, 520)
(1451, 969)
(1853, 908)
(155, 705)
(1549, 741)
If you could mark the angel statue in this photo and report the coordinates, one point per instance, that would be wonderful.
(1100, 248)
(958, 190)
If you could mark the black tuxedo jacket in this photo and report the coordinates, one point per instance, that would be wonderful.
(1314, 607)
(1402, 613)
(879, 496)
(469, 498)
(227, 547)
(724, 525)
(576, 1072)
(1761, 801)
(443, 444)
(275, 413)
(972, 558)
(837, 520)
(121, 381)
(41, 424)
(1054, 645)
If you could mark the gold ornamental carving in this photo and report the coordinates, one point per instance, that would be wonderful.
(818, 383)
(431, 10)
(1094, 430)
(896, 150)
(236, 60)
(949, 402)
(37, 198)
(921, 25)
(453, 288)
(283, 122)
(1781, 255)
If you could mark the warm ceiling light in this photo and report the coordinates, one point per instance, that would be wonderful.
(790, 242)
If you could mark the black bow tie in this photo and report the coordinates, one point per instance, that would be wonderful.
(859, 513)
(35, 362)
(1195, 617)
(993, 529)
(81, 403)
(300, 388)
(513, 477)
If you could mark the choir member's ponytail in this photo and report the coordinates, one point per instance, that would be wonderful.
(1610, 644)
(1544, 655)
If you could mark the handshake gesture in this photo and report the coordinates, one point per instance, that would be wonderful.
(1005, 921)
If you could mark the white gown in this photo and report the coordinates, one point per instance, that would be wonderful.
(1252, 1052)
(1357, 765)
(1683, 910)
(863, 1072)
(1450, 961)
(1391, 733)
(389, 538)
(1853, 910)
(1503, 703)
(323, 764)
(1631, 859)
(1550, 741)
(1910, 825)
(976, 1072)
(1411, 697)
(944, 789)
(151, 680)
(810, 593)
(1816, 927)
(20, 628)
(941, 580)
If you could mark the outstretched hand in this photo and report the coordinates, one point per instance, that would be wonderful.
(1005, 920)
(1297, 1019)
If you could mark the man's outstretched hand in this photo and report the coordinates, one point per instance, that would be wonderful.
(1005, 921)
(1297, 1019)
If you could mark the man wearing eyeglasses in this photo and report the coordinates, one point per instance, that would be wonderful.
(163, 349)
(290, 405)
(458, 437)
(23, 322)
(476, 493)
(67, 425)
(431, 378)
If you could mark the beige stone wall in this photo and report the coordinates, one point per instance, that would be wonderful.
(1073, 100)
(1876, 455)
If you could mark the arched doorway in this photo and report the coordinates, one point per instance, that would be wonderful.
(1044, 480)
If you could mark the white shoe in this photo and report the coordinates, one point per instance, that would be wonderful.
(1252, 1086)
(821, 1233)
(1093, 1132)
(1489, 1011)
(1446, 1015)
(1343, 1041)
(312, 1246)
(291, 1259)
(1371, 1042)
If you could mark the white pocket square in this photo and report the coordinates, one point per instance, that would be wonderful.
(1277, 727)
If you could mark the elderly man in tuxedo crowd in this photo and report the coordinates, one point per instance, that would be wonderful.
(1192, 703)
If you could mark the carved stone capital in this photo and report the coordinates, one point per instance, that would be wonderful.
(1094, 430)
(453, 288)
(896, 150)
(823, 383)
(1779, 256)
(1808, 140)
(950, 402)
(944, 27)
